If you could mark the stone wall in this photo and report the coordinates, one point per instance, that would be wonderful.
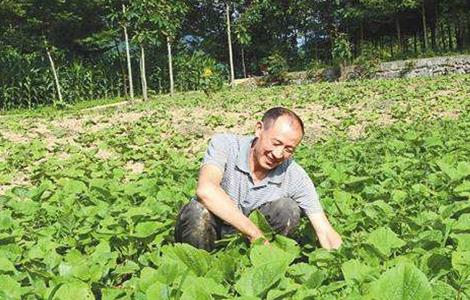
(425, 67)
(395, 69)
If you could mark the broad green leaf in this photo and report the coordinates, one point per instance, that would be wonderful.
(145, 229)
(207, 285)
(112, 294)
(444, 291)
(461, 262)
(6, 221)
(71, 186)
(224, 267)
(9, 288)
(196, 260)
(463, 189)
(463, 241)
(256, 281)
(6, 265)
(169, 270)
(74, 290)
(403, 282)
(355, 271)
(259, 220)
(385, 240)
(148, 276)
(263, 254)
(463, 223)
(159, 291)
(343, 201)
(301, 271)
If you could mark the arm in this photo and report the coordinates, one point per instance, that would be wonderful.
(328, 237)
(214, 198)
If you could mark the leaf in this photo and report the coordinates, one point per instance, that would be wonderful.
(196, 260)
(257, 280)
(461, 262)
(462, 224)
(384, 240)
(444, 291)
(6, 221)
(159, 291)
(112, 294)
(262, 254)
(463, 241)
(260, 221)
(355, 271)
(168, 271)
(6, 265)
(463, 189)
(208, 285)
(146, 229)
(73, 290)
(403, 282)
(9, 288)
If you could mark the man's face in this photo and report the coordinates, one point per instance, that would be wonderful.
(276, 143)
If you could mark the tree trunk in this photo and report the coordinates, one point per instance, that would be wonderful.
(170, 66)
(121, 66)
(415, 43)
(443, 36)
(232, 74)
(143, 76)
(128, 56)
(361, 37)
(243, 63)
(397, 25)
(425, 32)
(449, 35)
(54, 72)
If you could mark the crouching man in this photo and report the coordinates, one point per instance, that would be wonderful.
(243, 173)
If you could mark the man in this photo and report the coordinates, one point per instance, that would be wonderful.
(243, 173)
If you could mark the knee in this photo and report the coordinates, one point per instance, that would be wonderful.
(194, 213)
(282, 214)
(197, 226)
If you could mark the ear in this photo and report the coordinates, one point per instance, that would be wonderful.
(258, 128)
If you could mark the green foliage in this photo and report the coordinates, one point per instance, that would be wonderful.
(27, 80)
(369, 60)
(276, 69)
(198, 71)
(341, 51)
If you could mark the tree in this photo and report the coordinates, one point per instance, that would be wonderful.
(164, 18)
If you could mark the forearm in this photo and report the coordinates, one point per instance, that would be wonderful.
(219, 203)
(327, 235)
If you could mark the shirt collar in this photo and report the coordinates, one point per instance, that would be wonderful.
(274, 176)
(243, 162)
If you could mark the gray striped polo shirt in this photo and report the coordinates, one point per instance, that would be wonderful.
(230, 153)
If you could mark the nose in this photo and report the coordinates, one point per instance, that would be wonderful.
(278, 153)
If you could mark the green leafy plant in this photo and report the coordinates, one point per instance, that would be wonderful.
(276, 69)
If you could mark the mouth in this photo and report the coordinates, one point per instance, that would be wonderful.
(271, 162)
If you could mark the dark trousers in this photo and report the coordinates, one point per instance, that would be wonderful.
(200, 228)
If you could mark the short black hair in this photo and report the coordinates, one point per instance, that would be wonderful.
(272, 114)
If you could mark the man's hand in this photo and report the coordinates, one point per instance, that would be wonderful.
(216, 200)
(328, 237)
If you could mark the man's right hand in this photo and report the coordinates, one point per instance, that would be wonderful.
(216, 200)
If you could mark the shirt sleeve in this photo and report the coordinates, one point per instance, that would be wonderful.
(217, 152)
(303, 191)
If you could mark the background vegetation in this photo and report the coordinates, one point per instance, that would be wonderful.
(84, 43)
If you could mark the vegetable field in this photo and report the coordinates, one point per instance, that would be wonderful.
(88, 198)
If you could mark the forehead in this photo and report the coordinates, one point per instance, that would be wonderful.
(285, 129)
